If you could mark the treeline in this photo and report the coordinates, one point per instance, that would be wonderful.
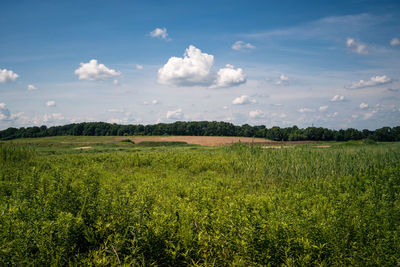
(204, 128)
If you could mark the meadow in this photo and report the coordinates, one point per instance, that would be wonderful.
(124, 203)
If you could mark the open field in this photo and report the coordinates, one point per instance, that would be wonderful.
(112, 202)
(93, 140)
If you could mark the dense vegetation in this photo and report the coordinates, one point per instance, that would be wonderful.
(204, 128)
(238, 204)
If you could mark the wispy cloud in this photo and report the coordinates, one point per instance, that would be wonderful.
(373, 81)
(242, 46)
(326, 28)
(356, 46)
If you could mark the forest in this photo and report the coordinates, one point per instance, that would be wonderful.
(204, 128)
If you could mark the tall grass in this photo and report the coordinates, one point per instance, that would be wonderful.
(238, 205)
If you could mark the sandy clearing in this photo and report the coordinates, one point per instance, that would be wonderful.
(323, 146)
(200, 140)
(83, 147)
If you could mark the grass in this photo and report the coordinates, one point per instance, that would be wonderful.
(189, 205)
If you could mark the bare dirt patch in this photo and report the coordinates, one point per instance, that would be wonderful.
(83, 147)
(323, 146)
(200, 140)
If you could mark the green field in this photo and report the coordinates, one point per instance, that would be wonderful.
(119, 203)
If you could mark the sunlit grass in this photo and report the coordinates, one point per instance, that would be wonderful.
(233, 205)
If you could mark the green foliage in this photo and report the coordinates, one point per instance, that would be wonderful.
(204, 128)
(127, 141)
(235, 205)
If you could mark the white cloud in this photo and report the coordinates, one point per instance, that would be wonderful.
(369, 115)
(242, 100)
(224, 107)
(51, 103)
(93, 71)
(117, 110)
(373, 81)
(175, 114)
(228, 77)
(363, 105)
(154, 102)
(139, 67)
(193, 69)
(31, 87)
(52, 117)
(6, 115)
(356, 46)
(255, 114)
(337, 98)
(116, 82)
(283, 79)
(7, 76)
(241, 46)
(333, 115)
(323, 108)
(395, 42)
(160, 33)
(305, 110)
(4, 112)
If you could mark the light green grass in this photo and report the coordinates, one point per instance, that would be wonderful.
(173, 206)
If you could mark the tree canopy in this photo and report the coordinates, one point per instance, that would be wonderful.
(204, 128)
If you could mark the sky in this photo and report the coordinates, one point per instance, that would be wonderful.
(331, 64)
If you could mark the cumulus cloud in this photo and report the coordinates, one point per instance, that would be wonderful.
(159, 33)
(31, 87)
(139, 67)
(256, 114)
(243, 100)
(6, 115)
(363, 105)
(7, 76)
(52, 117)
(175, 114)
(395, 42)
(116, 82)
(94, 71)
(369, 115)
(305, 110)
(228, 77)
(4, 112)
(323, 108)
(241, 46)
(337, 98)
(51, 103)
(373, 81)
(283, 79)
(333, 115)
(193, 69)
(356, 46)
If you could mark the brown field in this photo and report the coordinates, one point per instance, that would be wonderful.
(200, 140)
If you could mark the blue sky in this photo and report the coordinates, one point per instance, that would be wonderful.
(333, 64)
